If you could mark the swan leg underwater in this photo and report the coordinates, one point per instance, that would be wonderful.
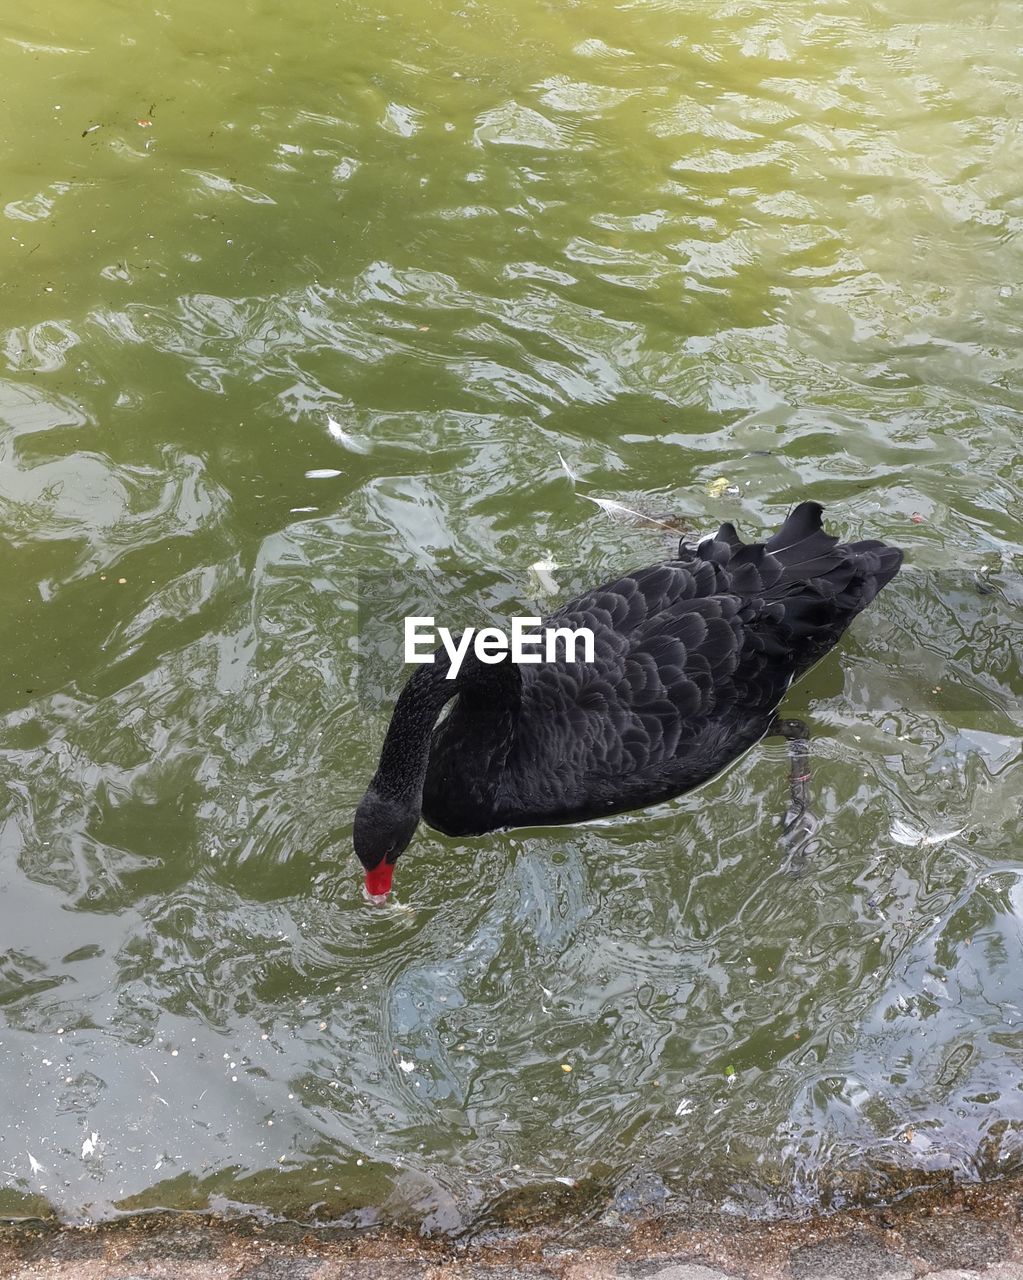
(692, 657)
(800, 824)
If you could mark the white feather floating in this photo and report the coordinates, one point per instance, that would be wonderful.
(622, 512)
(345, 438)
(572, 475)
(903, 833)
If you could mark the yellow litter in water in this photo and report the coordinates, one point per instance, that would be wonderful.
(565, 1067)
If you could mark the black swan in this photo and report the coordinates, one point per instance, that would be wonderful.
(692, 658)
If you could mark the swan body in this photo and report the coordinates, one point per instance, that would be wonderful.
(691, 659)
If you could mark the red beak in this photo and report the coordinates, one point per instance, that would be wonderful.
(378, 881)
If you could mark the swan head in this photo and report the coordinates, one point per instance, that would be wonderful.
(384, 826)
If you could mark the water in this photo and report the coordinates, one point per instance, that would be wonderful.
(678, 245)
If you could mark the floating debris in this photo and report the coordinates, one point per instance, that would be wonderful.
(89, 1145)
(565, 1067)
(542, 570)
(323, 473)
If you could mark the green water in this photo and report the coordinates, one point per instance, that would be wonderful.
(675, 243)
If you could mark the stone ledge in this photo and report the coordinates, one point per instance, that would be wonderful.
(973, 1233)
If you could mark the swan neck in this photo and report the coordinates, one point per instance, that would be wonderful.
(406, 750)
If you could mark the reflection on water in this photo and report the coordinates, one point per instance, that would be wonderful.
(287, 301)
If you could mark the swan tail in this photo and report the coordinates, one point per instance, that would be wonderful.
(801, 562)
(854, 572)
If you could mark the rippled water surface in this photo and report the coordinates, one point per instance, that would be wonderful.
(289, 297)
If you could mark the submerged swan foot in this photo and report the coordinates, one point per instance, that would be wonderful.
(800, 824)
